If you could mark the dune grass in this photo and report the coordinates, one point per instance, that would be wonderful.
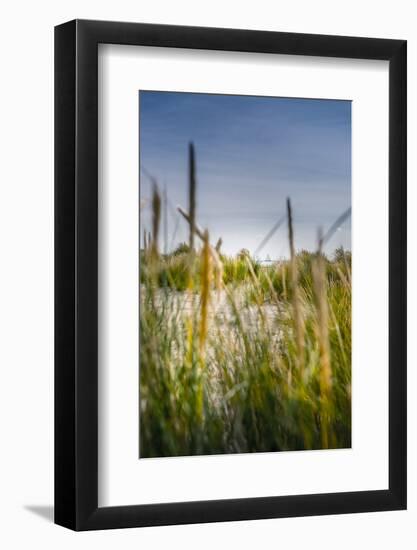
(238, 381)
(238, 357)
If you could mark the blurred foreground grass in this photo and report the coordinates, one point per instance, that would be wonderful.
(239, 357)
(224, 368)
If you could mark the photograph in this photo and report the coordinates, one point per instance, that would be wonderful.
(245, 274)
(189, 196)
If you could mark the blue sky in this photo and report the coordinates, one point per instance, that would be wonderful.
(251, 154)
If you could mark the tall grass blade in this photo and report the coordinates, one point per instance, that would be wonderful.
(298, 316)
(192, 194)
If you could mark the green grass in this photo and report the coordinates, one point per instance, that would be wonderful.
(239, 357)
(244, 383)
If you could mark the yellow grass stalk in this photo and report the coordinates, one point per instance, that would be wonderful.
(214, 253)
(297, 308)
(322, 330)
(203, 328)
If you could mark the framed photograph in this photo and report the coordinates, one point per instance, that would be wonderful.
(230, 255)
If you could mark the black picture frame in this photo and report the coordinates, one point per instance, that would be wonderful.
(76, 272)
